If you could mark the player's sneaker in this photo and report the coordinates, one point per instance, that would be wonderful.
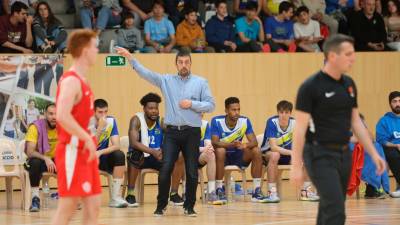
(131, 200)
(395, 194)
(221, 195)
(272, 197)
(118, 203)
(308, 195)
(257, 196)
(175, 199)
(213, 199)
(35, 205)
(159, 212)
(190, 212)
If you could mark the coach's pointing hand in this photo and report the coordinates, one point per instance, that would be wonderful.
(185, 104)
(123, 52)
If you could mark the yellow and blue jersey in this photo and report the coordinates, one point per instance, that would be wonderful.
(284, 138)
(205, 132)
(155, 134)
(219, 128)
(110, 130)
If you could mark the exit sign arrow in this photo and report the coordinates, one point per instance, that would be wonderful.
(115, 61)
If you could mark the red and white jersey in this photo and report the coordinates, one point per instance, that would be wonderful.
(76, 176)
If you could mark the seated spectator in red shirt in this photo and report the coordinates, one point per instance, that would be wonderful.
(16, 30)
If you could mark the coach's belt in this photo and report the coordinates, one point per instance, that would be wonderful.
(333, 146)
(183, 127)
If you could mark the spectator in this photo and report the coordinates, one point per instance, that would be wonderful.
(32, 5)
(307, 31)
(16, 30)
(392, 21)
(109, 14)
(49, 33)
(368, 29)
(342, 11)
(111, 158)
(175, 9)
(129, 36)
(271, 7)
(317, 12)
(220, 33)
(249, 29)
(141, 9)
(279, 29)
(388, 135)
(40, 147)
(239, 7)
(159, 31)
(189, 35)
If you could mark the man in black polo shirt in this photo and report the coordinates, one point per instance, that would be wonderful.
(326, 109)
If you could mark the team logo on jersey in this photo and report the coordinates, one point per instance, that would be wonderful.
(396, 134)
(351, 91)
(157, 131)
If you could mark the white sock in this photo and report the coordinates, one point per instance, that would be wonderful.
(272, 187)
(35, 192)
(211, 186)
(219, 183)
(116, 187)
(256, 183)
(306, 185)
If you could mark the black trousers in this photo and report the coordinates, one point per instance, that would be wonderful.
(175, 141)
(36, 168)
(329, 170)
(393, 158)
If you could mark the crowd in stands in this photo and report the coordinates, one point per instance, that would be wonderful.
(28, 26)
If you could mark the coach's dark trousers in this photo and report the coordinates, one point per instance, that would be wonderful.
(329, 170)
(187, 141)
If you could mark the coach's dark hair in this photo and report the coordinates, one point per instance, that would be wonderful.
(18, 6)
(231, 100)
(182, 53)
(285, 6)
(284, 106)
(100, 103)
(219, 2)
(49, 105)
(332, 44)
(150, 97)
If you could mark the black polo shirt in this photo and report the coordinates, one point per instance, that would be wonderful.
(330, 103)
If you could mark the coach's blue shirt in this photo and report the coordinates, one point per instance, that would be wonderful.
(175, 89)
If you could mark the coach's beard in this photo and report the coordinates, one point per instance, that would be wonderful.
(184, 73)
(396, 110)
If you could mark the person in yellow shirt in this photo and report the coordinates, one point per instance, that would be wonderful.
(41, 140)
(189, 35)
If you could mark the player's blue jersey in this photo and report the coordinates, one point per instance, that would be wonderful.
(110, 130)
(205, 132)
(284, 138)
(155, 135)
(227, 135)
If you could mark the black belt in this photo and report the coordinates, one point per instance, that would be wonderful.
(334, 146)
(183, 127)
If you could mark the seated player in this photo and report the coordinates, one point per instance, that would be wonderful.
(112, 159)
(145, 139)
(227, 132)
(41, 140)
(276, 148)
(207, 157)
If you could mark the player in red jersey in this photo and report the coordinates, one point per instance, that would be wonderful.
(76, 161)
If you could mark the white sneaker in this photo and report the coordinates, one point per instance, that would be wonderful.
(272, 197)
(309, 195)
(118, 203)
(395, 194)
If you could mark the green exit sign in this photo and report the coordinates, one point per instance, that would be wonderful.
(115, 61)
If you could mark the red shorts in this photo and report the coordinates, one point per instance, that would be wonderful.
(76, 176)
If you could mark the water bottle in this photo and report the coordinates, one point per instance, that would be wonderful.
(232, 185)
(46, 194)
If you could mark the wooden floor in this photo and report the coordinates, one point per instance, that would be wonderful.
(289, 211)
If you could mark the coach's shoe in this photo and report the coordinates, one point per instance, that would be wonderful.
(257, 196)
(395, 194)
(308, 195)
(118, 203)
(213, 199)
(190, 212)
(159, 212)
(131, 200)
(221, 195)
(35, 206)
(175, 199)
(272, 197)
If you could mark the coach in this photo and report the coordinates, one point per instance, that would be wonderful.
(186, 97)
